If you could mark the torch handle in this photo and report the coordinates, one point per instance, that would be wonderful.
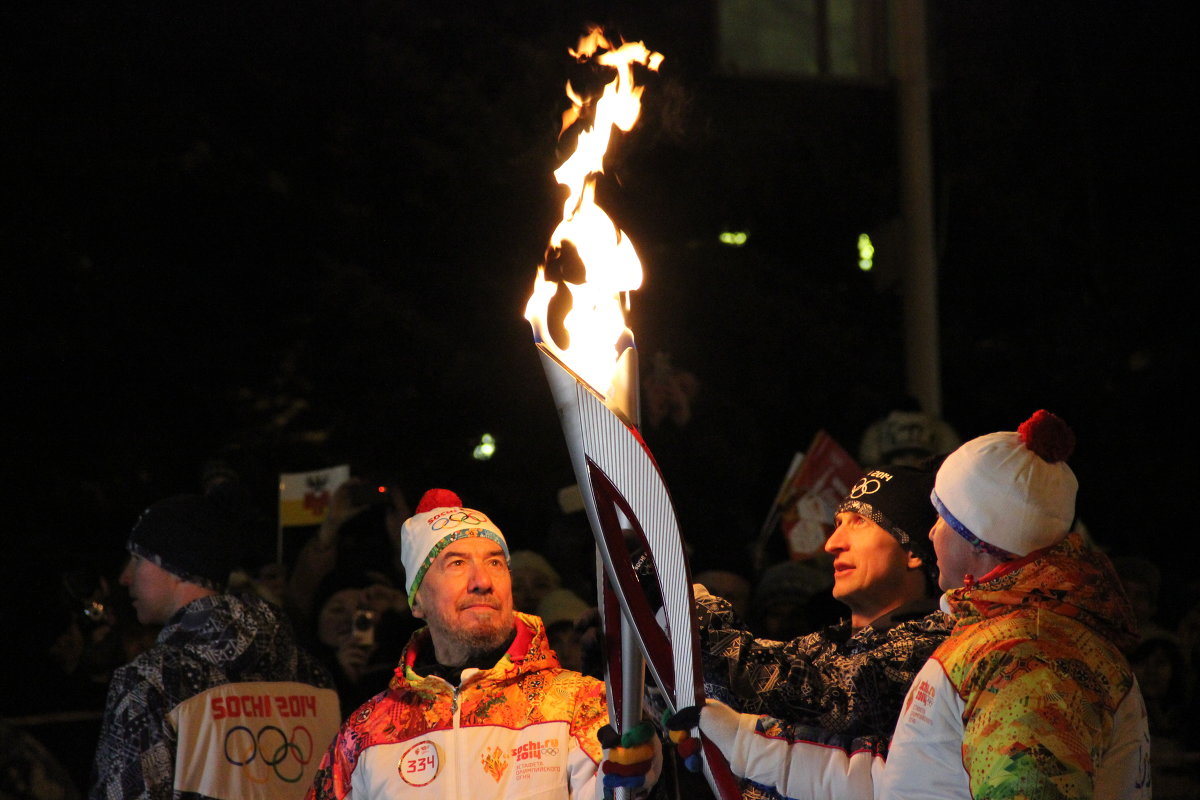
(633, 677)
(624, 678)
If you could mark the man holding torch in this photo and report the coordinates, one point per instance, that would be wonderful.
(1030, 695)
(849, 678)
(479, 706)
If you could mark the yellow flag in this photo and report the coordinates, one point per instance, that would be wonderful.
(304, 497)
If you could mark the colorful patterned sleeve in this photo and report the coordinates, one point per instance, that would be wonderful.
(322, 788)
(591, 714)
(1033, 730)
(332, 779)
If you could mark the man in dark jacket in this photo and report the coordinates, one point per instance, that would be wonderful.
(850, 678)
(224, 705)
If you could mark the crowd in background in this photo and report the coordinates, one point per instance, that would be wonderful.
(70, 625)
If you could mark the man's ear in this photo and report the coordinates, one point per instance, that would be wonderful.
(915, 562)
(416, 609)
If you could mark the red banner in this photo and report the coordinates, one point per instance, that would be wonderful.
(806, 502)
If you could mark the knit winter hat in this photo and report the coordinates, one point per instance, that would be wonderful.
(439, 520)
(896, 498)
(191, 536)
(1011, 493)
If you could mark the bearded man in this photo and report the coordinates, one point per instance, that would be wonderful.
(479, 706)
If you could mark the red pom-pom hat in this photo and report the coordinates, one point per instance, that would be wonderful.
(438, 498)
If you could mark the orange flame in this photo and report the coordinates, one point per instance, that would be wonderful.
(596, 321)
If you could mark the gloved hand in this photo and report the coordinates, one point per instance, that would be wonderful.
(632, 760)
(679, 727)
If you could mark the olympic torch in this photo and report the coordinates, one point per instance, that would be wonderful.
(594, 382)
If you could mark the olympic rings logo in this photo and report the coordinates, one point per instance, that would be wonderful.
(865, 486)
(465, 517)
(271, 747)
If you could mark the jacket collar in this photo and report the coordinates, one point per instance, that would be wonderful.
(528, 651)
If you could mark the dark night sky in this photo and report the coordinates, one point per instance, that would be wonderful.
(229, 228)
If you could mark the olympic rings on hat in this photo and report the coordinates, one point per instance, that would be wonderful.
(464, 517)
(865, 486)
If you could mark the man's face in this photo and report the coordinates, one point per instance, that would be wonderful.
(870, 568)
(955, 555)
(152, 590)
(466, 599)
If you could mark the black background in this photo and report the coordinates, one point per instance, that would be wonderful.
(289, 235)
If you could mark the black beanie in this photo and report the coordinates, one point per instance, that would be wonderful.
(896, 498)
(191, 536)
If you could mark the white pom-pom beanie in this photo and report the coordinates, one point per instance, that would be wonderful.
(1010, 493)
(439, 520)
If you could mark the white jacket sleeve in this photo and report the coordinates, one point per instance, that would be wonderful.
(797, 768)
(1125, 771)
(925, 761)
(583, 774)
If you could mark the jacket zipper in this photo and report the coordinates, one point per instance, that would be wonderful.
(455, 713)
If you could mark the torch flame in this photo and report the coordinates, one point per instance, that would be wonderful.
(596, 321)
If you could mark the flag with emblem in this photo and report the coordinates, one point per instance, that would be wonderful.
(304, 497)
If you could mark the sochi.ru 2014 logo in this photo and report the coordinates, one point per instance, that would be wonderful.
(420, 763)
(270, 750)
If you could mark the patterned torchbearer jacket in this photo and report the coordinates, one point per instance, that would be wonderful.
(225, 705)
(850, 684)
(1030, 697)
(526, 728)
(844, 681)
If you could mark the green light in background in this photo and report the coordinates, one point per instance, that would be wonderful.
(733, 238)
(866, 253)
(485, 449)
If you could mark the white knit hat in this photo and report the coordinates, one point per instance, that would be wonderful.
(439, 520)
(1011, 492)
